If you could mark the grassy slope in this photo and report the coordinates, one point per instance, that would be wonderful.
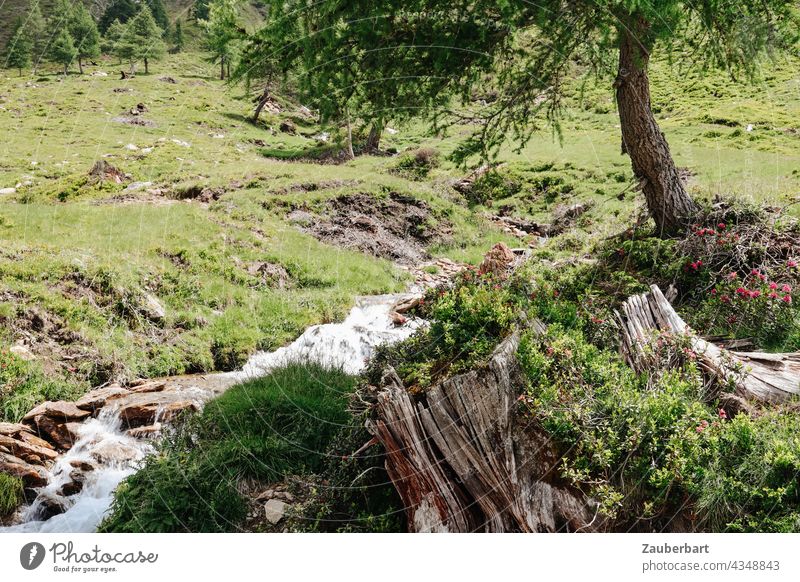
(89, 261)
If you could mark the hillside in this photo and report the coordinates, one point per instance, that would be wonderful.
(160, 248)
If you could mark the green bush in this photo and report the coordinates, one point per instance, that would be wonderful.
(417, 164)
(264, 430)
(10, 493)
(648, 447)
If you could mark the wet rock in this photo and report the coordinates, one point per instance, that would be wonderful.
(148, 386)
(407, 304)
(31, 476)
(71, 488)
(49, 505)
(397, 318)
(142, 409)
(83, 465)
(145, 432)
(274, 511)
(27, 451)
(94, 400)
(61, 411)
(114, 452)
(62, 434)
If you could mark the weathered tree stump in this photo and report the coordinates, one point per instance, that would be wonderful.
(758, 376)
(464, 460)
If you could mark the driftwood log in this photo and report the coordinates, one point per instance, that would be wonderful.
(757, 376)
(464, 460)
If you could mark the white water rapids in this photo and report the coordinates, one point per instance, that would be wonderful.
(103, 442)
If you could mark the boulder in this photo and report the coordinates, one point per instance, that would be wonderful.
(31, 476)
(8, 191)
(60, 411)
(29, 452)
(148, 386)
(97, 398)
(62, 434)
(114, 452)
(144, 408)
(145, 432)
(288, 127)
(153, 309)
(13, 429)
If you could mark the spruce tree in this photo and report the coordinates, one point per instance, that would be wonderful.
(85, 34)
(122, 10)
(148, 37)
(222, 33)
(38, 34)
(177, 37)
(18, 50)
(62, 50)
(159, 14)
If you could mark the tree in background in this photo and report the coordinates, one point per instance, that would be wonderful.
(177, 37)
(222, 34)
(122, 10)
(113, 35)
(425, 53)
(200, 9)
(85, 34)
(18, 49)
(159, 14)
(146, 37)
(62, 50)
(38, 33)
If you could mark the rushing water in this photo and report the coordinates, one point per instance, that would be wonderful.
(102, 441)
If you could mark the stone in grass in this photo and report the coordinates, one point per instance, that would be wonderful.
(274, 511)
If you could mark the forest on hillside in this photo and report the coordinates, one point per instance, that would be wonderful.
(381, 266)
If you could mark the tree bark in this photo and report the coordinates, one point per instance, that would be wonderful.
(146, 70)
(756, 376)
(374, 138)
(262, 101)
(222, 68)
(349, 136)
(642, 139)
(80, 65)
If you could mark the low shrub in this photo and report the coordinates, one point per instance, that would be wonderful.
(417, 164)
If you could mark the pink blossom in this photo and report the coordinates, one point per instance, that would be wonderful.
(786, 288)
(773, 285)
(786, 299)
(722, 413)
(732, 275)
(773, 295)
(791, 263)
(721, 226)
(755, 293)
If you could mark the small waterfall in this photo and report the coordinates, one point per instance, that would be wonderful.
(103, 454)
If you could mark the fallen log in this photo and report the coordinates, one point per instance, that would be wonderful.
(464, 460)
(757, 376)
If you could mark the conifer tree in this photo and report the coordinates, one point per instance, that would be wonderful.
(18, 50)
(121, 10)
(148, 37)
(84, 33)
(222, 34)
(62, 50)
(177, 37)
(38, 33)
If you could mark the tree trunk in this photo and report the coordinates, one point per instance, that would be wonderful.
(263, 100)
(222, 68)
(667, 199)
(80, 65)
(464, 460)
(374, 138)
(66, 69)
(145, 67)
(349, 136)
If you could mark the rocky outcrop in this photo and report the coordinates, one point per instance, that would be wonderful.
(464, 460)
